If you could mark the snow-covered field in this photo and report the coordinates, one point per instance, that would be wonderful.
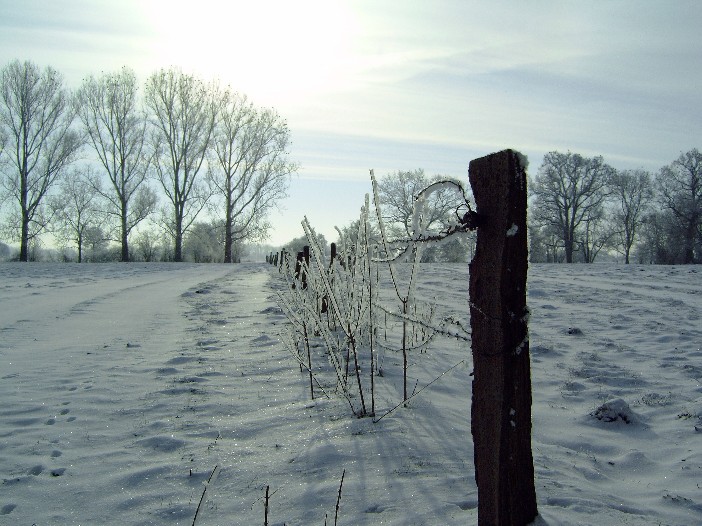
(122, 387)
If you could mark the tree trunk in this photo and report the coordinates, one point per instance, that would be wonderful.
(24, 241)
(178, 239)
(501, 405)
(568, 242)
(690, 235)
(228, 242)
(24, 234)
(125, 243)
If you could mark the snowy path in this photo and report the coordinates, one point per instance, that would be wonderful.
(105, 378)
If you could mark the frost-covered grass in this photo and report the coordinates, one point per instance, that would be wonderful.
(123, 386)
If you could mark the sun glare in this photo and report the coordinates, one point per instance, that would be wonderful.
(268, 49)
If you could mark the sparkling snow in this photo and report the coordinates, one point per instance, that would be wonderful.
(123, 386)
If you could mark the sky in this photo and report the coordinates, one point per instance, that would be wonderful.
(400, 85)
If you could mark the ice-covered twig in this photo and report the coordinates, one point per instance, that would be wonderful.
(210, 480)
(417, 392)
(305, 366)
(338, 499)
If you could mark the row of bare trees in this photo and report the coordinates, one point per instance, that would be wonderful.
(79, 161)
(581, 206)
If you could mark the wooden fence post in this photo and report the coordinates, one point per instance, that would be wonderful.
(298, 268)
(501, 403)
(306, 256)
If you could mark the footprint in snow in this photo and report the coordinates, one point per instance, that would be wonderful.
(36, 470)
(264, 340)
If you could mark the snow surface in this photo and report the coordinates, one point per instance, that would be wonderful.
(123, 386)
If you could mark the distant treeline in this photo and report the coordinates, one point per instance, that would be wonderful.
(581, 207)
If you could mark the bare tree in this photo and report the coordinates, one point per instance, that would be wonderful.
(252, 167)
(203, 242)
(545, 243)
(95, 240)
(183, 117)
(595, 234)
(116, 126)
(75, 210)
(632, 191)
(568, 189)
(661, 239)
(3, 143)
(398, 193)
(147, 245)
(297, 244)
(680, 187)
(36, 114)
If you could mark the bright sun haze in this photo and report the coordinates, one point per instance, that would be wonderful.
(398, 85)
(304, 49)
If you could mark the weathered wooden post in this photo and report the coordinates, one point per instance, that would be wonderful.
(306, 255)
(325, 300)
(298, 268)
(501, 404)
